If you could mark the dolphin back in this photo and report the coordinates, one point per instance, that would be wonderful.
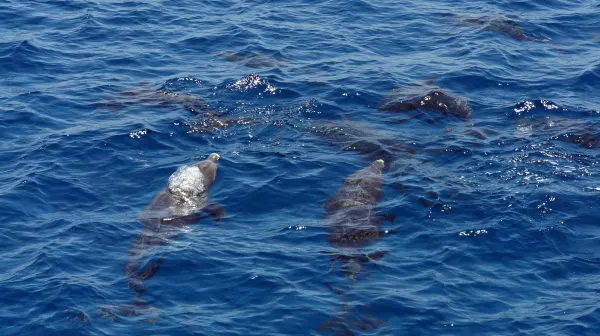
(351, 217)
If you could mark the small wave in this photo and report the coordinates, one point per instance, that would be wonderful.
(589, 78)
(253, 82)
(528, 107)
(28, 57)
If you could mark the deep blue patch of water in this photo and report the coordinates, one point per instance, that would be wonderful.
(493, 221)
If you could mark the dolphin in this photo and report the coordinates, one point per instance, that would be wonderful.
(352, 221)
(584, 140)
(502, 25)
(425, 98)
(361, 138)
(570, 130)
(208, 119)
(182, 202)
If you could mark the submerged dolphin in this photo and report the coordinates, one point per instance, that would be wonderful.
(352, 222)
(569, 130)
(208, 121)
(145, 94)
(182, 202)
(498, 24)
(584, 140)
(359, 137)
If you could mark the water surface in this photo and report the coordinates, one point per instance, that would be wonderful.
(495, 218)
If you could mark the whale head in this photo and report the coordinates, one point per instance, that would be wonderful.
(208, 168)
(214, 157)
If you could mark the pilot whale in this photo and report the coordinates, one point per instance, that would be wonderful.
(422, 99)
(497, 24)
(352, 221)
(207, 119)
(182, 202)
(352, 224)
(359, 137)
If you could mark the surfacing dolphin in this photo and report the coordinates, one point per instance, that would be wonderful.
(352, 224)
(182, 202)
(352, 221)
(422, 99)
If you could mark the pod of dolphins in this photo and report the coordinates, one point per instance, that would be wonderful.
(351, 219)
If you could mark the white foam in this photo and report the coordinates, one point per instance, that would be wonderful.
(187, 182)
(188, 190)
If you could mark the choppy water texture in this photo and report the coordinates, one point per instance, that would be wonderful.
(489, 218)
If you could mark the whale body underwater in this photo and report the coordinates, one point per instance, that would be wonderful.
(353, 223)
(352, 220)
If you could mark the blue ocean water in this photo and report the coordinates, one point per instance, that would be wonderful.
(492, 221)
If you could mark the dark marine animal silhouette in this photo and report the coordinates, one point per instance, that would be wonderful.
(569, 130)
(145, 94)
(352, 221)
(352, 224)
(502, 25)
(183, 202)
(208, 119)
(422, 99)
(359, 137)
(351, 317)
(584, 140)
